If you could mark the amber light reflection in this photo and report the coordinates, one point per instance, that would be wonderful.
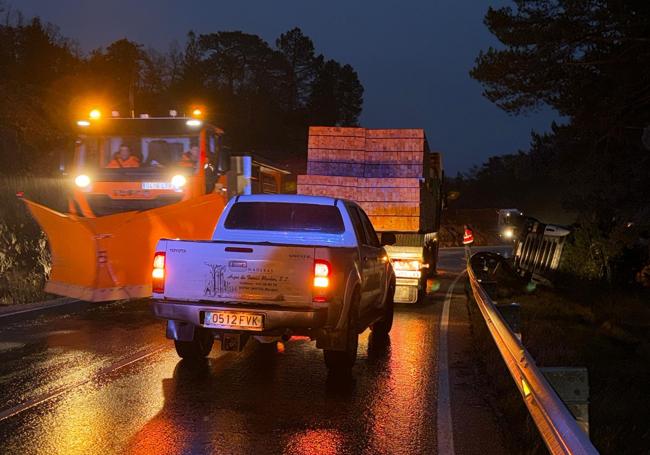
(397, 412)
(315, 442)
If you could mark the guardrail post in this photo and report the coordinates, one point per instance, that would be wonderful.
(511, 313)
(572, 386)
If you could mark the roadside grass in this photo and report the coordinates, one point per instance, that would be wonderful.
(586, 324)
(24, 255)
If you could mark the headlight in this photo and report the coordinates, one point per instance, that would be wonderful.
(82, 181)
(194, 123)
(178, 181)
(508, 233)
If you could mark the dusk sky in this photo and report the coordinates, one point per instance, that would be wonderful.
(412, 57)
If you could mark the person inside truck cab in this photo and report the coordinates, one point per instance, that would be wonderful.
(191, 157)
(124, 158)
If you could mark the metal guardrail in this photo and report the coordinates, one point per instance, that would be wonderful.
(556, 424)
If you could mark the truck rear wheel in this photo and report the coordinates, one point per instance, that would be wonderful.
(382, 327)
(343, 361)
(198, 348)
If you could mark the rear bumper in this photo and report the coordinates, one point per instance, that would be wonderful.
(276, 319)
(406, 290)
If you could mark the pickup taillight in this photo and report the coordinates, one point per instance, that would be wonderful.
(322, 272)
(158, 273)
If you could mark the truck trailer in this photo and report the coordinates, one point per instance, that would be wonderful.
(393, 175)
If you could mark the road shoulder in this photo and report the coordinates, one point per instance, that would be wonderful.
(477, 429)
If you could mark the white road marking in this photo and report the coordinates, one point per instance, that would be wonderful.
(445, 427)
(6, 413)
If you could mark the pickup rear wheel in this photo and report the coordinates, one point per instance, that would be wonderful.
(198, 348)
(343, 361)
(382, 327)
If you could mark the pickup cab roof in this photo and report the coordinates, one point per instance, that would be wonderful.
(290, 198)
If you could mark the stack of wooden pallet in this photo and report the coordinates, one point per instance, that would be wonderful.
(384, 171)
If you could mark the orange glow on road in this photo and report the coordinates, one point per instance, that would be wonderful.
(405, 381)
(315, 442)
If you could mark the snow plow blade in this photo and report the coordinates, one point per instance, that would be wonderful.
(110, 257)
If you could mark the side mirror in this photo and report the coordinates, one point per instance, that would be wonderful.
(388, 238)
(223, 161)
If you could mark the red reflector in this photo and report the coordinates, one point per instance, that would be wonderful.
(158, 273)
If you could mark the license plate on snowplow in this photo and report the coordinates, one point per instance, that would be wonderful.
(236, 320)
(157, 186)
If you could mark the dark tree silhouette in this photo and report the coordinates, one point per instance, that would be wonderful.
(263, 97)
(590, 61)
(303, 64)
(337, 95)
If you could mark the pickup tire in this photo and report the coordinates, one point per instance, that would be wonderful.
(343, 361)
(198, 348)
(382, 327)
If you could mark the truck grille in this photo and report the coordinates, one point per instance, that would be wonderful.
(102, 205)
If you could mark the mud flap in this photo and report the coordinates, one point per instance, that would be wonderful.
(233, 341)
(109, 258)
(180, 331)
(333, 340)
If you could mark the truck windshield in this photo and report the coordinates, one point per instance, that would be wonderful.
(285, 216)
(123, 152)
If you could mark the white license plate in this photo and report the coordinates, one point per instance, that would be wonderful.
(157, 186)
(234, 320)
(408, 274)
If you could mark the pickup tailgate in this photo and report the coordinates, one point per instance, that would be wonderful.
(238, 272)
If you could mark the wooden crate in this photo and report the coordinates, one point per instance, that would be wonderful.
(377, 170)
(388, 194)
(329, 180)
(382, 170)
(393, 158)
(341, 192)
(337, 131)
(405, 133)
(394, 145)
(337, 142)
(336, 169)
(388, 182)
(327, 155)
(391, 208)
(394, 223)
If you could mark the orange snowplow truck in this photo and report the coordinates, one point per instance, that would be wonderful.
(135, 180)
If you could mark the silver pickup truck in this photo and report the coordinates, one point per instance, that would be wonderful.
(277, 266)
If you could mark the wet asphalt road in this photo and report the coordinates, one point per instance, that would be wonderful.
(103, 379)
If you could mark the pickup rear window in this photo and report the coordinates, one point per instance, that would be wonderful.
(285, 216)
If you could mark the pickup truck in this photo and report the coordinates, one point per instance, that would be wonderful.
(277, 266)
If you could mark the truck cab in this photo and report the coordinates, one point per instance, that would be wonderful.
(124, 164)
